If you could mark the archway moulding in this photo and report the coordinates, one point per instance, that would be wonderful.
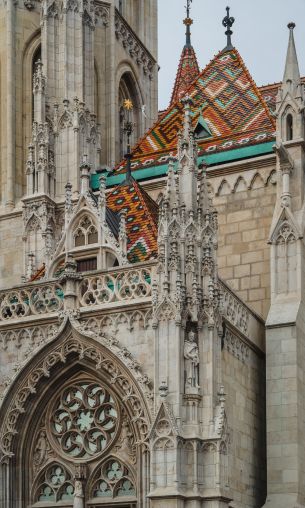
(105, 354)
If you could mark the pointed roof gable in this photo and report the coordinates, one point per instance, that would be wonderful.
(229, 101)
(188, 71)
(141, 220)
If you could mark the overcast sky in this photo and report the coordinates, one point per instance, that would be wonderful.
(260, 35)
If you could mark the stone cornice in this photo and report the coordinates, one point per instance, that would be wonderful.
(132, 44)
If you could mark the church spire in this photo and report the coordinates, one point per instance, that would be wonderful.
(292, 76)
(188, 69)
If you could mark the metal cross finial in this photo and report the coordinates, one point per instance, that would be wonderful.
(188, 22)
(228, 22)
(188, 8)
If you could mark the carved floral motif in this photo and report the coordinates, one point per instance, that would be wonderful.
(134, 46)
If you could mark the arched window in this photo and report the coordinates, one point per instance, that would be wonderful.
(85, 232)
(289, 127)
(36, 58)
(128, 90)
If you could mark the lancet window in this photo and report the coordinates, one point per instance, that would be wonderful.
(128, 90)
(113, 480)
(289, 127)
(36, 59)
(85, 233)
(55, 484)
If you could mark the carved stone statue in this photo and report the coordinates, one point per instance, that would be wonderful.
(78, 495)
(41, 450)
(191, 362)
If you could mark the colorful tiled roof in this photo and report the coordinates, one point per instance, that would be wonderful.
(230, 103)
(188, 71)
(269, 93)
(141, 220)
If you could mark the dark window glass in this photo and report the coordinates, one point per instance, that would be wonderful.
(289, 127)
(86, 265)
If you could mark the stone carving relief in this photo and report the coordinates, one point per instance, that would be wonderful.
(134, 46)
(235, 311)
(31, 337)
(236, 347)
(102, 13)
(191, 363)
(42, 450)
(111, 323)
(78, 495)
(126, 446)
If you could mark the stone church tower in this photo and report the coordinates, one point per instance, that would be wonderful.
(151, 268)
(67, 67)
(285, 322)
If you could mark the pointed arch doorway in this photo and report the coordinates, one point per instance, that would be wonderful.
(81, 439)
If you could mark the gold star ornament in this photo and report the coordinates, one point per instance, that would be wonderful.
(128, 104)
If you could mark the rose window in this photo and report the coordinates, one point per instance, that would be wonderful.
(85, 420)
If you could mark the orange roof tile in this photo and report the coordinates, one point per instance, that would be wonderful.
(141, 220)
(188, 71)
(229, 101)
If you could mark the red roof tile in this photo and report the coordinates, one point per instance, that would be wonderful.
(188, 71)
(141, 220)
(231, 105)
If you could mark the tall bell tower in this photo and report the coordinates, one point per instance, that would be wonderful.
(67, 66)
(91, 54)
(285, 337)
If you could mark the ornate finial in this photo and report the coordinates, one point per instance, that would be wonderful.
(188, 22)
(291, 25)
(228, 22)
(128, 128)
(188, 7)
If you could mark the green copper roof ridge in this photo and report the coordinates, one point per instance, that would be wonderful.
(210, 158)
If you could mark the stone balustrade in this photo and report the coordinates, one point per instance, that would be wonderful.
(30, 300)
(120, 286)
(43, 298)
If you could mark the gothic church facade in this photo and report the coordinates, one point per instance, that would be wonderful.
(152, 328)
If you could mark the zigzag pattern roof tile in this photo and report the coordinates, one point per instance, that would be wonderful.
(231, 105)
(188, 71)
(141, 220)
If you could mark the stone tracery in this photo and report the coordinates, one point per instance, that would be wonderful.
(84, 420)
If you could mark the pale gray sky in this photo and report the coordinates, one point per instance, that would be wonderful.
(260, 35)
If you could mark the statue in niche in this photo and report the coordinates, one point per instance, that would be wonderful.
(78, 495)
(191, 362)
(42, 449)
